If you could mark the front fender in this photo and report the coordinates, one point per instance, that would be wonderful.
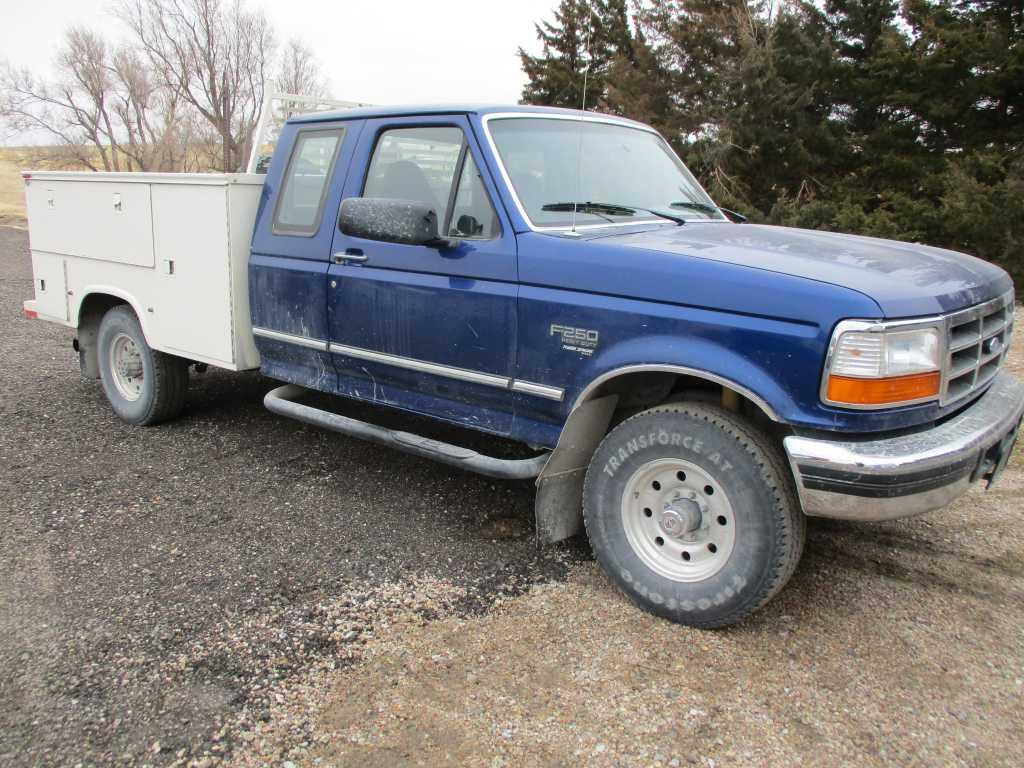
(763, 359)
(772, 361)
(589, 411)
(699, 358)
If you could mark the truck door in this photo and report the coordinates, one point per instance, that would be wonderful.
(427, 329)
(291, 251)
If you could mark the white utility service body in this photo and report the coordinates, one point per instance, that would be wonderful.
(175, 246)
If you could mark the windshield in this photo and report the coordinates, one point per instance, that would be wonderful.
(554, 164)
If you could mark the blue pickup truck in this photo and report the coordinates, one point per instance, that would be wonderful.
(691, 386)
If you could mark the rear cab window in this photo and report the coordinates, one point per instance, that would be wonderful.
(300, 205)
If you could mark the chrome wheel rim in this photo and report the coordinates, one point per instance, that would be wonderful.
(678, 520)
(126, 366)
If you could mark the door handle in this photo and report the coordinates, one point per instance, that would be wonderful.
(354, 255)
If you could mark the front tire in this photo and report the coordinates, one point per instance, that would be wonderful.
(691, 512)
(143, 386)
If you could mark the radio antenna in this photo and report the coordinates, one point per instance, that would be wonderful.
(583, 106)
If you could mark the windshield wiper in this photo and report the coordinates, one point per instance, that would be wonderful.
(705, 208)
(598, 209)
(693, 206)
(609, 209)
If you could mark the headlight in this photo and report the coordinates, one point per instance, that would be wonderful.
(874, 365)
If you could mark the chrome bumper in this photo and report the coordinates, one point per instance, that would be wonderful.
(909, 474)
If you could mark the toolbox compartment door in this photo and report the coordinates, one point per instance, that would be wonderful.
(50, 282)
(102, 220)
(192, 282)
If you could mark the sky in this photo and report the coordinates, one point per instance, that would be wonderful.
(375, 51)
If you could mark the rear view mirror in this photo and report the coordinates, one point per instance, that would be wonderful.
(392, 221)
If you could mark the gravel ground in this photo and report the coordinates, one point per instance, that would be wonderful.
(237, 589)
(159, 584)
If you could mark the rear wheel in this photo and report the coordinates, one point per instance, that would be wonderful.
(143, 386)
(690, 510)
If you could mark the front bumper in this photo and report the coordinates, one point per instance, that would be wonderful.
(883, 479)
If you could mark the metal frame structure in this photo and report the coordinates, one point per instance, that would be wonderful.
(315, 104)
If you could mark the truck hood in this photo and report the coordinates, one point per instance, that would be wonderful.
(904, 279)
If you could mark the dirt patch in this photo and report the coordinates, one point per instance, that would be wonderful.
(12, 187)
(908, 657)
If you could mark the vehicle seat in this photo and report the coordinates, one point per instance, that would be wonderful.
(404, 180)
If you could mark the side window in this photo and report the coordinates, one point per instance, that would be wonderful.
(301, 201)
(472, 214)
(424, 164)
(415, 164)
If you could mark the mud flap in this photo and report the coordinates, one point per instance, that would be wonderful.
(558, 508)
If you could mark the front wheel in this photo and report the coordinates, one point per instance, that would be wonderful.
(143, 386)
(690, 511)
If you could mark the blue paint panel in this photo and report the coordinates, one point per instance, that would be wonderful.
(290, 296)
(765, 356)
(476, 406)
(297, 365)
(601, 266)
(453, 307)
(453, 321)
(905, 279)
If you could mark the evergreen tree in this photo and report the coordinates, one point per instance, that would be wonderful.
(640, 87)
(967, 81)
(584, 34)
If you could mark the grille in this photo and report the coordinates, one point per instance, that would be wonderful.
(977, 342)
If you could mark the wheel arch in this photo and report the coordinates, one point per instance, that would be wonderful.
(559, 502)
(679, 375)
(93, 305)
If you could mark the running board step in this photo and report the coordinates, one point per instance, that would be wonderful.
(282, 401)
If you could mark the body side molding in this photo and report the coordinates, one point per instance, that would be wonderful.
(413, 364)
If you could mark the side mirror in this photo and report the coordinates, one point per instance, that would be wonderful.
(407, 222)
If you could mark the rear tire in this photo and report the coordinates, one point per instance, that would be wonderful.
(691, 511)
(143, 386)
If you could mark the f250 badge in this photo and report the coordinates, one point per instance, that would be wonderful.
(582, 340)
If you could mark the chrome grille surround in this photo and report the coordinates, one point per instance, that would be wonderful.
(977, 343)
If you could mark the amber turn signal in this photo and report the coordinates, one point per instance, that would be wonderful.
(892, 390)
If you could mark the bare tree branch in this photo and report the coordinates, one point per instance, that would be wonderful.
(105, 107)
(299, 71)
(214, 55)
(190, 82)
